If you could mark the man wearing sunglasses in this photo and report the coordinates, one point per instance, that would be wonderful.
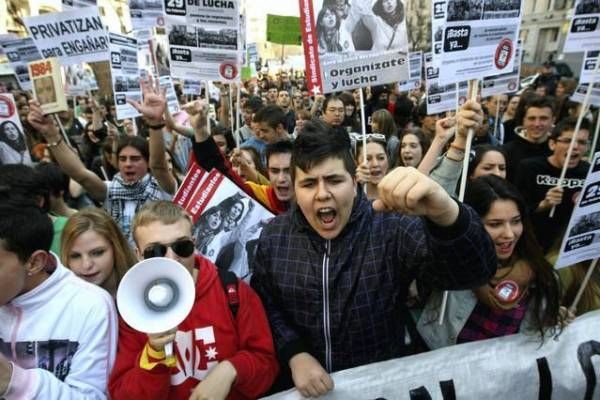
(538, 178)
(217, 354)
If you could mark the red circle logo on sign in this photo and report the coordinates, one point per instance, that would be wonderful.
(504, 53)
(7, 107)
(228, 71)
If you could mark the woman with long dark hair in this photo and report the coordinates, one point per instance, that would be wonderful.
(13, 148)
(523, 296)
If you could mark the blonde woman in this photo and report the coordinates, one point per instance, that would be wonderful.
(94, 248)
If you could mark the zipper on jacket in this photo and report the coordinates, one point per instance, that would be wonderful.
(326, 327)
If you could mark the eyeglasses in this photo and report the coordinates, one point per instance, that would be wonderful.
(580, 142)
(182, 247)
(369, 136)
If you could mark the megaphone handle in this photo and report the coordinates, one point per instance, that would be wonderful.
(169, 350)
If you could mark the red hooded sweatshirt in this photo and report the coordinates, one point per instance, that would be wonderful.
(207, 336)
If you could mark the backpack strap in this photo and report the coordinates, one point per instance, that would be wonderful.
(230, 285)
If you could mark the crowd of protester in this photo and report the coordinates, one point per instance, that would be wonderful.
(366, 238)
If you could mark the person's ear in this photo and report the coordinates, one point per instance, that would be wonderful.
(37, 262)
(138, 254)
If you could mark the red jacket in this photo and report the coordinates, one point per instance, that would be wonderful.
(208, 335)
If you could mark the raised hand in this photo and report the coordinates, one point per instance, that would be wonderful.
(41, 122)
(154, 100)
(408, 191)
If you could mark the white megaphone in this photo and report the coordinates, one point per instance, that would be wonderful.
(156, 295)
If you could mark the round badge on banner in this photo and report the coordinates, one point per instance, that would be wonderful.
(504, 53)
(7, 107)
(512, 85)
(228, 71)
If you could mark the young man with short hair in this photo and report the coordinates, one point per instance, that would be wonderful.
(218, 355)
(538, 181)
(333, 111)
(533, 139)
(284, 101)
(333, 273)
(271, 124)
(58, 334)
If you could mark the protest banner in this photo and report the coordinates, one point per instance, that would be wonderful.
(441, 98)
(505, 83)
(72, 4)
(509, 367)
(6, 37)
(13, 146)
(588, 67)
(582, 236)
(584, 30)
(474, 39)
(357, 45)
(47, 85)
(204, 42)
(227, 222)
(416, 66)
(21, 52)
(191, 87)
(283, 29)
(579, 94)
(146, 14)
(79, 79)
(73, 37)
(124, 74)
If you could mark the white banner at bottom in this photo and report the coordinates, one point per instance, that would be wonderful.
(511, 367)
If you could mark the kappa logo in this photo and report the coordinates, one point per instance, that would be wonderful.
(547, 180)
(197, 354)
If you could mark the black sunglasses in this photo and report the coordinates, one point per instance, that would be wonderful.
(182, 247)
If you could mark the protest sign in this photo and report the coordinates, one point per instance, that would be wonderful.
(6, 37)
(124, 73)
(79, 79)
(227, 222)
(71, 4)
(147, 14)
(21, 52)
(505, 83)
(13, 146)
(588, 66)
(509, 367)
(442, 98)
(203, 38)
(283, 29)
(579, 94)
(359, 44)
(584, 30)
(580, 242)
(192, 87)
(47, 85)
(73, 37)
(474, 39)
(252, 53)
(416, 66)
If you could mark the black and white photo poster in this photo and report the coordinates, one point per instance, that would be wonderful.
(13, 147)
(204, 39)
(416, 66)
(474, 39)
(352, 44)
(589, 65)
(21, 52)
(124, 72)
(146, 14)
(584, 29)
(582, 238)
(440, 97)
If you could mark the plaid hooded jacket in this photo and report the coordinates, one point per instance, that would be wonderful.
(342, 300)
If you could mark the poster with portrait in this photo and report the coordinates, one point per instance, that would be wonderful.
(160, 66)
(505, 83)
(474, 39)
(584, 29)
(13, 146)
(79, 79)
(20, 52)
(146, 14)
(582, 238)
(589, 65)
(354, 43)
(227, 223)
(73, 36)
(124, 74)
(416, 66)
(46, 82)
(204, 39)
(441, 97)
